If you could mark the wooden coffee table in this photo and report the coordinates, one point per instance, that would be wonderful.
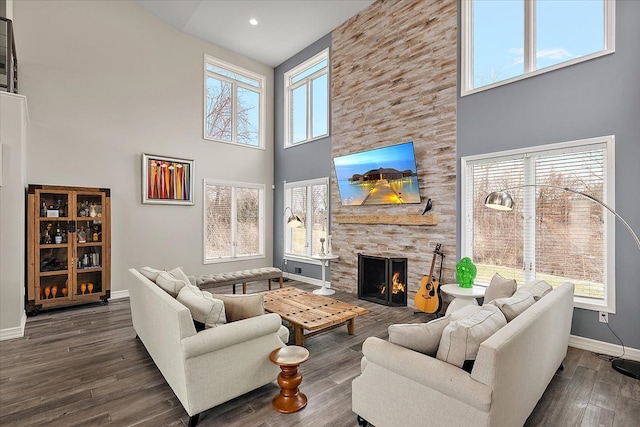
(314, 313)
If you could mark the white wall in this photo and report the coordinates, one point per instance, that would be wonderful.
(13, 119)
(107, 81)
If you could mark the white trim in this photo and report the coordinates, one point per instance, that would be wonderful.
(300, 258)
(466, 57)
(119, 294)
(261, 90)
(288, 87)
(15, 332)
(305, 279)
(261, 214)
(608, 303)
(603, 347)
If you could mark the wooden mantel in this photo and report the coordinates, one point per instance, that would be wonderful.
(388, 219)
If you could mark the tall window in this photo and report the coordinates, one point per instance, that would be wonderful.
(233, 221)
(504, 41)
(551, 234)
(234, 104)
(310, 201)
(307, 100)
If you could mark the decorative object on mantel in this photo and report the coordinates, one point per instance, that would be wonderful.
(501, 200)
(167, 180)
(466, 272)
(430, 219)
(427, 207)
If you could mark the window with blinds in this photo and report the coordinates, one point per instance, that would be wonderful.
(308, 200)
(552, 234)
(233, 221)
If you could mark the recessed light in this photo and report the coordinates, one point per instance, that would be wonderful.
(253, 21)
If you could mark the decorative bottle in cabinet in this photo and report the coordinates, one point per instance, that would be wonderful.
(68, 246)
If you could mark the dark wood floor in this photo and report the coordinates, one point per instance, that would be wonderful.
(83, 367)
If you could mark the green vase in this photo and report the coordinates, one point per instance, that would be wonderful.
(466, 273)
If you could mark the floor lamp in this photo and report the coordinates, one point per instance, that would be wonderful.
(501, 200)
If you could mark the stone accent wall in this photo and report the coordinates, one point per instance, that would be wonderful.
(394, 80)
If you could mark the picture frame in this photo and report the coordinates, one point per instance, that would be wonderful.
(167, 180)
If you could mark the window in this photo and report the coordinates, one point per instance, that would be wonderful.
(234, 104)
(233, 221)
(310, 201)
(551, 234)
(505, 41)
(307, 100)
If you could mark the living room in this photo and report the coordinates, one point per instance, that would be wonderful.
(106, 81)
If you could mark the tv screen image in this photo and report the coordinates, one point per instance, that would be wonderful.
(382, 176)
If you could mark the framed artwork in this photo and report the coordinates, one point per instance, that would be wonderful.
(167, 180)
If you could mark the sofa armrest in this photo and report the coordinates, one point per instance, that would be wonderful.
(230, 334)
(428, 371)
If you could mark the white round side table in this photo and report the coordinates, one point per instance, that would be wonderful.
(325, 259)
(462, 296)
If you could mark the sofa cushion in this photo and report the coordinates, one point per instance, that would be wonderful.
(420, 337)
(461, 339)
(513, 306)
(203, 307)
(150, 273)
(538, 289)
(465, 311)
(238, 307)
(499, 288)
(170, 284)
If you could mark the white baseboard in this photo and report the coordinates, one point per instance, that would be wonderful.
(15, 332)
(305, 279)
(603, 347)
(119, 294)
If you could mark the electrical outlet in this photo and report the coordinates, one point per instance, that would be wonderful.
(285, 262)
(603, 317)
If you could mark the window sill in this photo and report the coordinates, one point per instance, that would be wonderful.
(230, 259)
(303, 259)
(297, 144)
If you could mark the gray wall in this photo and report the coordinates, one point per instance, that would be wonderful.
(594, 98)
(107, 81)
(306, 161)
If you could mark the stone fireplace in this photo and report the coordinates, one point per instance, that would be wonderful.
(382, 280)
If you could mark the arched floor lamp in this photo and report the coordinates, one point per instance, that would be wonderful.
(293, 220)
(501, 200)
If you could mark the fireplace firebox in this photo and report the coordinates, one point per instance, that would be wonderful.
(382, 280)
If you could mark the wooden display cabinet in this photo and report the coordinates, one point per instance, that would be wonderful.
(68, 246)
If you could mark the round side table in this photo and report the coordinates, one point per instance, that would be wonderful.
(325, 260)
(462, 296)
(290, 399)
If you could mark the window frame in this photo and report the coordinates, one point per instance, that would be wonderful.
(288, 89)
(309, 183)
(608, 303)
(466, 53)
(234, 202)
(261, 90)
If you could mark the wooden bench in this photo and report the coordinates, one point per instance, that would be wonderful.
(236, 277)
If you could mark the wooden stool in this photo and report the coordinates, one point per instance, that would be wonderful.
(290, 398)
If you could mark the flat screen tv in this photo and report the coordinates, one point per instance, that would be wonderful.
(384, 176)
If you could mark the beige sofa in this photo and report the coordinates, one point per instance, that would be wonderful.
(206, 368)
(402, 387)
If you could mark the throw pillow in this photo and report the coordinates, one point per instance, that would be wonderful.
(170, 284)
(240, 307)
(465, 311)
(150, 273)
(420, 337)
(538, 288)
(203, 307)
(179, 274)
(461, 339)
(513, 306)
(499, 288)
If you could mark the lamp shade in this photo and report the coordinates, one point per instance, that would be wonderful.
(294, 221)
(499, 200)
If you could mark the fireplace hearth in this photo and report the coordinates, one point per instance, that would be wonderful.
(382, 280)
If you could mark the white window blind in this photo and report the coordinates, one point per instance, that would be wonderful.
(551, 234)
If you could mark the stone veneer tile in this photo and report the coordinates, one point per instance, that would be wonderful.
(393, 80)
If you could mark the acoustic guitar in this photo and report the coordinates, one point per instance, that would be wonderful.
(428, 298)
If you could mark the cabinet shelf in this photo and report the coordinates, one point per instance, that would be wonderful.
(72, 278)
